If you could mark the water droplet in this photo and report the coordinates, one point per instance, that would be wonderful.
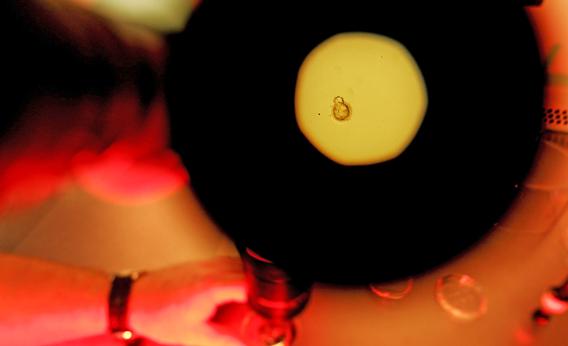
(341, 109)
(393, 291)
(461, 297)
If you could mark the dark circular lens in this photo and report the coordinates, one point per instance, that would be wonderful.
(231, 83)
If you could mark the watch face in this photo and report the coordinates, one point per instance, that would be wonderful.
(358, 141)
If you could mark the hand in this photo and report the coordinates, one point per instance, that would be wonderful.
(177, 305)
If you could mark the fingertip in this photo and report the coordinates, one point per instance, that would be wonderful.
(234, 292)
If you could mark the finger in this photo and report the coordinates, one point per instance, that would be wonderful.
(203, 305)
(230, 292)
(212, 337)
(225, 264)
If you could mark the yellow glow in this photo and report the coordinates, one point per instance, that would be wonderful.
(160, 15)
(127, 335)
(360, 98)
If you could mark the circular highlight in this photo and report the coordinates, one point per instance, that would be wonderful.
(360, 98)
(461, 297)
(393, 291)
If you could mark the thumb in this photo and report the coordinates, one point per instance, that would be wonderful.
(205, 304)
(229, 292)
(212, 337)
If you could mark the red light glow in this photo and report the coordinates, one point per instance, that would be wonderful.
(257, 256)
(116, 149)
(551, 305)
(541, 320)
(524, 337)
(138, 166)
(393, 291)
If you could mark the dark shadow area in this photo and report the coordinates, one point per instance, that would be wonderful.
(231, 82)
